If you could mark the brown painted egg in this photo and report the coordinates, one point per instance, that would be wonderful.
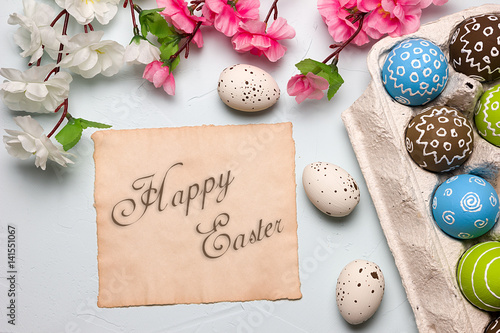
(475, 47)
(439, 139)
(494, 326)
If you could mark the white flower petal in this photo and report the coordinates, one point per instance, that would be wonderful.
(41, 155)
(89, 62)
(15, 148)
(35, 29)
(55, 153)
(28, 143)
(142, 53)
(89, 57)
(84, 11)
(11, 74)
(29, 126)
(37, 91)
(14, 86)
(31, 92)
(32, 141)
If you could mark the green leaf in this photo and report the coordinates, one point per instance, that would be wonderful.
(151, 21)
(328, 72)
(70, 134)
(309, 65)
(174, 63)
(88, 123)
(335, 83)
(168, 50)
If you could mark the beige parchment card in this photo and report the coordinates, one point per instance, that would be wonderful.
(196, 215)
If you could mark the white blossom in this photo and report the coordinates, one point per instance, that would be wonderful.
(35, 33)
(141, 51)
(28, 90)
(31, 141)
(84, 11)
(89, 56)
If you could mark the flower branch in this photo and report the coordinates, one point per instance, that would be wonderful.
(374, 19)
(63, 115)
(272, 11)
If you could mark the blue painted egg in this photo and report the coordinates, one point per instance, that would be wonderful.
(415, 72)
(465, 206)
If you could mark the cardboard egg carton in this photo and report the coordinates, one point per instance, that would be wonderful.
(401, 191)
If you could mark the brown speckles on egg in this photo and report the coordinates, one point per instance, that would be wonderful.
(253, 89)
(358, 294)
(330, 189)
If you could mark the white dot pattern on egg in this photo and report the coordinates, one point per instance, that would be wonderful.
(415, 72)
(247, 88)
(360, 289)
(330, 188)
(474, 47)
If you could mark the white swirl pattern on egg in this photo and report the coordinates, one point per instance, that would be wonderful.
(465, 207)
(477, 275)
(487, 115)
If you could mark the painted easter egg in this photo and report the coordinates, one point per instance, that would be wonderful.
(478, 273)
(475, 47)
(439, 139)
(247, 88)
(330, 188)
(415, 72)
(493, 326)
(465, 206)
(360, 289)
(487, 115)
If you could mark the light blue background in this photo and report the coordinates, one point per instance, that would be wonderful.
(54, 216)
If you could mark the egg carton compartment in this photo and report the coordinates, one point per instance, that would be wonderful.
(402, 191)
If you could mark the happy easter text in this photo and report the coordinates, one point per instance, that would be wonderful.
(154, 195)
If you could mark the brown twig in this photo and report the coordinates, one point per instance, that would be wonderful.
(339, 47)
(274, 8)
(186, 43)
(61, 46)
(63, 115)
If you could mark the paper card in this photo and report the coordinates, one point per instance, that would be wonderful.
(196, 215)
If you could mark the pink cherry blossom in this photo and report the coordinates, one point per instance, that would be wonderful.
(176, 12)
(227, 15)
(307, 86)
(252, 37)
(427, 3)
(395, 18)
(160, 76)
(334, 14)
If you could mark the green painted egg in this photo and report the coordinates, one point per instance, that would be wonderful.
(487, 117)
(478, 275)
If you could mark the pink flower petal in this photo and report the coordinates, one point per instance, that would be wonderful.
(254, 27)
(317, 82)
(275, 52)
(248, 9)
(169, 85)
(280, 29)
(227, 22)
(261, 42)
(242, 42)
